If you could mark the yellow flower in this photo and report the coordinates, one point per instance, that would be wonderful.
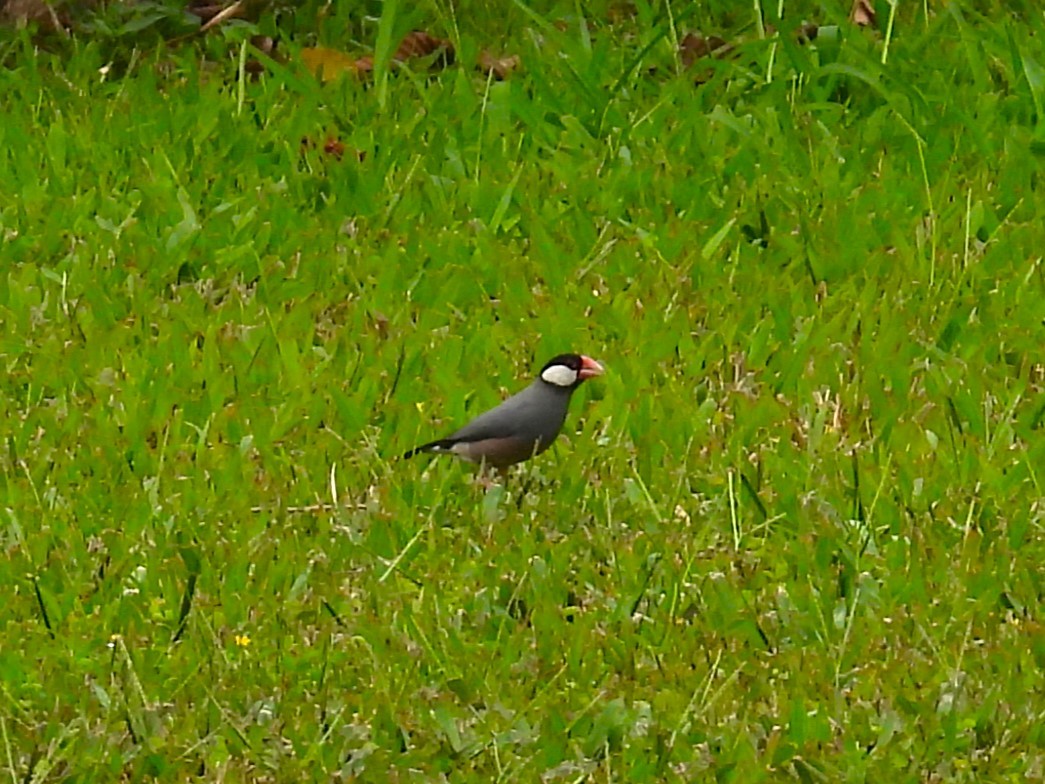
(242, 640)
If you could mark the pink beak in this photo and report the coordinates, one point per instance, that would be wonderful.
(589, 368)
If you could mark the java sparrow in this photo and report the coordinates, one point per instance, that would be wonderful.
(525, 424)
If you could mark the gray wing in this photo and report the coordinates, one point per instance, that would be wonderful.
(535, 413)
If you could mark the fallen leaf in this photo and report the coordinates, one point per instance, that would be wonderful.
(205, 11)
(380, 323)
(263, 44)
(39, 11)
(500, 67)
(420, 44)
(863, 14)
(267, 47)
(806, 32)
(328, 64)
(621, 12)
(334, 147)
(696, 47)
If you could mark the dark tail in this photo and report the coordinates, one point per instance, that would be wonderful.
(442, 445)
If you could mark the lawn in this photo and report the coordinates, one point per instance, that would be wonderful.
(795, 532)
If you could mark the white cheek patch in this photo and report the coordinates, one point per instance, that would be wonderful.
(560, 375)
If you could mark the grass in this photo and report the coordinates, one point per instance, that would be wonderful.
(794, 533)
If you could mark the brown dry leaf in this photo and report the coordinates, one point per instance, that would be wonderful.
(334, 147)
(420, 44)
(863, 14)
(267, 47)
(806, 32)
(380, 323)
(263, 44)
(414, 45)
(500, 67)
(622, 11)
(205, 11)
(329, 64)
(696, 47)
(22, 12)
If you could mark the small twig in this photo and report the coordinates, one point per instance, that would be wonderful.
(222, 15)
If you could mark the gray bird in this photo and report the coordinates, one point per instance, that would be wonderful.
(525, 424)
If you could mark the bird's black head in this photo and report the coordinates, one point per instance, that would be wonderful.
(569, 370)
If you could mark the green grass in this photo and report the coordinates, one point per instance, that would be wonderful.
(795, 533)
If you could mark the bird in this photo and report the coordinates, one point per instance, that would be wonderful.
(525, 424)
